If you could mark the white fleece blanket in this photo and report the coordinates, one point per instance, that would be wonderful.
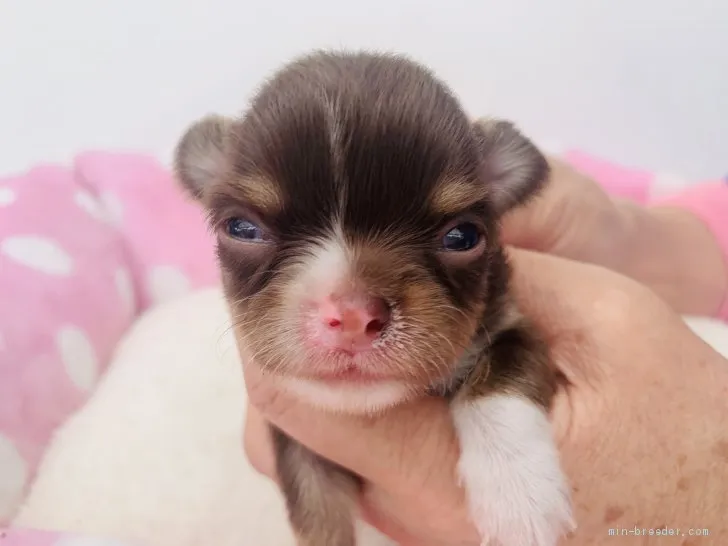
(155, 457)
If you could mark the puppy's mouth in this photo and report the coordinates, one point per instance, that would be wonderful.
(350, 373)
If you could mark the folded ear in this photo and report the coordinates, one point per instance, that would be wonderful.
(514, 169)
(200, 155)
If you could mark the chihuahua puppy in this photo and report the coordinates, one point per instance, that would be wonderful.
(357, 210)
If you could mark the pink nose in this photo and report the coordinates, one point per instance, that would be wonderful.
(352, 322)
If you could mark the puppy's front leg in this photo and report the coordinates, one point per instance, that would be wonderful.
(320, 495)
(509, 465)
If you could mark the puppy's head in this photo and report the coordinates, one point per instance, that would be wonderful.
(356, 210)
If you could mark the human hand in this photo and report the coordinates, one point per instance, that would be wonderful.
(573, 217)
(667, 249)
(639, 420)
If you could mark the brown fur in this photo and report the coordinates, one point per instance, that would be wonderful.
(377, 145)
(450, 196)
(259, 194)
(315, 486)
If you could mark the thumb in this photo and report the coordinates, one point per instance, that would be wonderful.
(523, 227)
(535, 224)
(582, 310)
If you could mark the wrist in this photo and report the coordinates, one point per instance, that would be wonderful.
(701, 495)
(672, 252)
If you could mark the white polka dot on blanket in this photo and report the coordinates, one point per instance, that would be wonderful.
(13, 474)
(7, 196)
(87, 541)
(89, 204)
(166, 283)
(78, 357)
(125, 288)
(37, 253)
(114, 207)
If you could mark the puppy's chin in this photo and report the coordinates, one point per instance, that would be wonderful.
(353, 398)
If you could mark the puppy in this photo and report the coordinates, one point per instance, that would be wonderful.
(357, 211)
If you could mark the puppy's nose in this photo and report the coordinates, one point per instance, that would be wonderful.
(352, 322)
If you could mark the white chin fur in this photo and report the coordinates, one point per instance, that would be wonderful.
(348, 398)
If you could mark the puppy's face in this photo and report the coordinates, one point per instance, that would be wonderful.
(356, 212)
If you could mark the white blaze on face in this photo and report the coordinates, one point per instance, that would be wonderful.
(322, 271)
(325, 270)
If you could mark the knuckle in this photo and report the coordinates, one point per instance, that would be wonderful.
(256, 445)
(264, 395)
(252, 452)
(619, 307)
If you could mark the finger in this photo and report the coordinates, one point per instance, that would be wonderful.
(403, 446)
(563, 296)
(399, 516)
(526, 227)
(257, 443)
(531, 226)
(560, 294)
(582, 309)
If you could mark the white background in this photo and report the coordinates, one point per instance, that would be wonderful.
(644, 82)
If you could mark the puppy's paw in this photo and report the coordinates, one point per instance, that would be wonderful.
(509, 467)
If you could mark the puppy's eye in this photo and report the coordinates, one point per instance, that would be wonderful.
(462, 237)
(244, 230)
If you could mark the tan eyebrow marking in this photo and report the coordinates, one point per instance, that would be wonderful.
(451, 195)
(258, 192)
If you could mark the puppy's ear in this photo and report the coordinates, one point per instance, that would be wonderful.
(514, 169)
(200, 155)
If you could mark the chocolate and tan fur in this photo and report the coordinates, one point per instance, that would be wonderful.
(349, 169)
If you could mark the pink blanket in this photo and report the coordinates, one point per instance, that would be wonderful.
(83, 250)
(25, 537)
